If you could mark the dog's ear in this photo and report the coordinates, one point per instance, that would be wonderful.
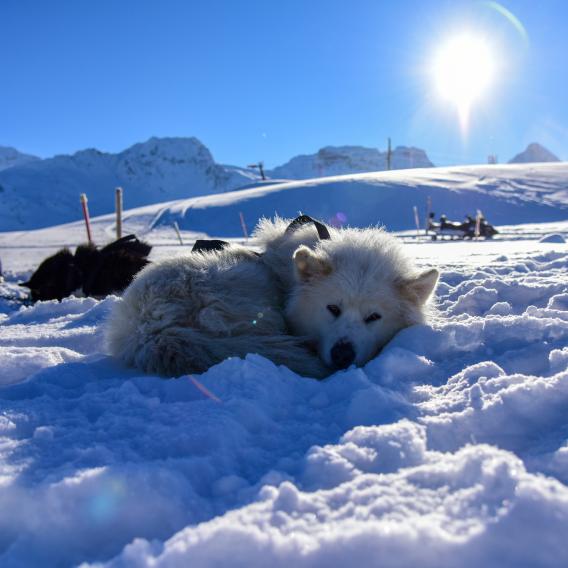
(309, 265)
(419, 288)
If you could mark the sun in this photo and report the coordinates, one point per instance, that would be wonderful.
(463, 70)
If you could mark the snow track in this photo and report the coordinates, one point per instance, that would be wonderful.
(448, 449)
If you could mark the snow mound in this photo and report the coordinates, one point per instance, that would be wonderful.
(554, 238)
(450, 448)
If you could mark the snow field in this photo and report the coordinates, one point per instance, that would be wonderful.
(449, 448)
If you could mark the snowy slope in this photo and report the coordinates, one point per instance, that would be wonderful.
(534, 153)
(10, 157)
(450, 449)
(338, 160)
(46, 192)
(509, 194)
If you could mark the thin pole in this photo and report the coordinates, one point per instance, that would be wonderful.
(118, 208)
(84, 204)
(417, 220)
(176, 227)
(478, 224)
(243, 225)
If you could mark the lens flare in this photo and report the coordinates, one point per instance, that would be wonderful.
(463, 70)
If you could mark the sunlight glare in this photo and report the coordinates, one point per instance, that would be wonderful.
(463, 70)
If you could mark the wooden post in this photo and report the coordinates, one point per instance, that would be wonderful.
(428, 210)
(478, 224)
(243, 225)
(389, 155)
(118, 208)
(176, 227)
(417, 221)
(84, 204)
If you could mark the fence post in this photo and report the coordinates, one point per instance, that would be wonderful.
(84, 204)
(243, 225)
(118, 208)
(416, 220)
(176, 228)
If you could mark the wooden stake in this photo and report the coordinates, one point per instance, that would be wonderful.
(84, 204)
(416, 220)
(176, 227)
(478, 224)
(243, 225)
(428, 210)
(118, 208)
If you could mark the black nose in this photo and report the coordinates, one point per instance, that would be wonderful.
(342, 354)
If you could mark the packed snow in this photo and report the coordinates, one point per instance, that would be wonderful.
(448, 449)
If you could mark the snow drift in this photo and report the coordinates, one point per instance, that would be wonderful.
(448, 449)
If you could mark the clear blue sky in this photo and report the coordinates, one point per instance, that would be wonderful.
(270, 79)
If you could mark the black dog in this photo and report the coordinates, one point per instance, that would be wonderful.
(95, 272)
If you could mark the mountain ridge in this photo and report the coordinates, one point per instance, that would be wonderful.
(339, 160)
(534, 153)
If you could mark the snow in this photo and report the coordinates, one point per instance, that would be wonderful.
(448, 449)
(10, 157)
(509, 195)
(46, 192)
(553, 238)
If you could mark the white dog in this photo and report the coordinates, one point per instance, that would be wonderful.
(313, 303)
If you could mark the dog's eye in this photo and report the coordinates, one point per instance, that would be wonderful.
(373, 317)
(334, 310)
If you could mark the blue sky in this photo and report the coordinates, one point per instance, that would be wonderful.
(272, 79)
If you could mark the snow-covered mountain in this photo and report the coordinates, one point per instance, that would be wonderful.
(10, 157)
(46, 192)
(534, 153)
(339, 160)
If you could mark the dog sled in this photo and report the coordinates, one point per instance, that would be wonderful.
(470, 228)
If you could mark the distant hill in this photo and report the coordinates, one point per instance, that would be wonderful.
(38, 193)
(534, 153)
(340, 160)
(10, 157)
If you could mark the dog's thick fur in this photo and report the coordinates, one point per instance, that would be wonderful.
(90, 271)
(185, 314)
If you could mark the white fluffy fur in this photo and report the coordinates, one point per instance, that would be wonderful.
(185, 314)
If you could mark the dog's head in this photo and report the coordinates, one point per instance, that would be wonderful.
(353, 295)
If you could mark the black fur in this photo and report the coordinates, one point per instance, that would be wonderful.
(97, 272)
(202, 245)
(56, 277)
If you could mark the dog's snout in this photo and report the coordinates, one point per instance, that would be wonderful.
(342, 354)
